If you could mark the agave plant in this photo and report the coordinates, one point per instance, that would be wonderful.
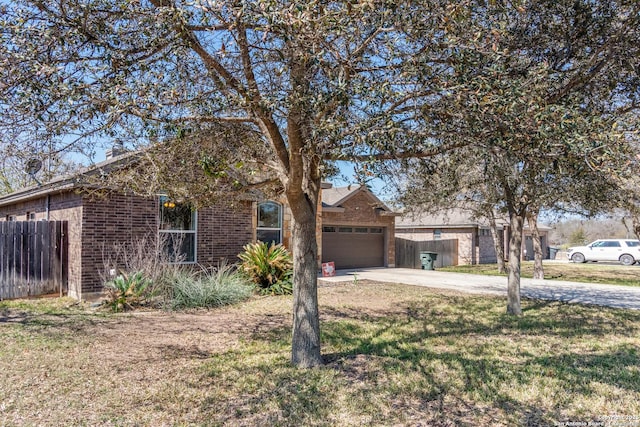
(127, 290)
(270, 267)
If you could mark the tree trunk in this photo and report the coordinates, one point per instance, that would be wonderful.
(538, 269)
(305, 346)
(497, 242)
(635, 218)
(515, 249)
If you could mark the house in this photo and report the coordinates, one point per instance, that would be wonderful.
(475, 243)
(357, 228)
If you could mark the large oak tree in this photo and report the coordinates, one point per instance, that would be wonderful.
(310, 81)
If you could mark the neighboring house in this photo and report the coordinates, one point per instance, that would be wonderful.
(475, 243)
(97, 224)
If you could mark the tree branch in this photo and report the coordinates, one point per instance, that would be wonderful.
(209, 61)
(434, 151)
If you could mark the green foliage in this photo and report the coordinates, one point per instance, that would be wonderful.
(578, 237)
(127, 291)
(222, 286)
(270, 267)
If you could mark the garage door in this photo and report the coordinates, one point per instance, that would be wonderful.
(353, 247)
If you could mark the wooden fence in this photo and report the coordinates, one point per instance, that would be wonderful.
(33, 258)
(408, 252)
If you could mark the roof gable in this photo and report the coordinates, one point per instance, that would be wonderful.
(451, 218)
(336, 196)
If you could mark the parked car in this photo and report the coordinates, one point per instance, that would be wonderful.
(626, 251)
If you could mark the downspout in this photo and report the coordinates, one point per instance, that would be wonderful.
(48, 206)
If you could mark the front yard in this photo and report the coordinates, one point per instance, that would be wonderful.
(395, 355)
(591, 272)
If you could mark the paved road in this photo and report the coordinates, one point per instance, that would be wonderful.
(572, 292)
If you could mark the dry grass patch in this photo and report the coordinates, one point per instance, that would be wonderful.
(587, 273)
(395, 355)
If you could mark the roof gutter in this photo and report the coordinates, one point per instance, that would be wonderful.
(36, 192)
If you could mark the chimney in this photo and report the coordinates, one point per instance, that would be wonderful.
(116, 150)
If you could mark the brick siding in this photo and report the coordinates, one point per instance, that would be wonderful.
(109, 223)
(100, 225)
(223, 231)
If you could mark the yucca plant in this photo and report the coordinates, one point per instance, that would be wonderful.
(270, 267)
(127, 290)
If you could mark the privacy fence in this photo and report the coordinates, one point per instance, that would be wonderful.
(33, 258)
(408, 252)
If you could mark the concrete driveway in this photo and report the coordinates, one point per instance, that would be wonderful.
(556, 290)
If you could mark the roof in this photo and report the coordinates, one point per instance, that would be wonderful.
(332, 197)
(67, 182)
(456, 218)
(336, 196)
(450, 218)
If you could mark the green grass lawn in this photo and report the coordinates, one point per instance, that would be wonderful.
(588, 272)
(395, 355)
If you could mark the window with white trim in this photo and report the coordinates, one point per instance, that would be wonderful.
(269, 229)
(177, 230)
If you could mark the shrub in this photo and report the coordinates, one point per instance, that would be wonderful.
(222, 286)
(127, 291)
(270, 267)
(144, 255)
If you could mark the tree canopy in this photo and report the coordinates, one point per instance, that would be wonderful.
(542, 93)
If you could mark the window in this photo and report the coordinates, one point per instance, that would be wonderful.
(328, 229)
(177, 231)
(361, 230)
(605, 244)
(269, 228)
(376, 230)
(31, 216)
(11, 218)
(633, 243)
(345, 230)
(437, 234)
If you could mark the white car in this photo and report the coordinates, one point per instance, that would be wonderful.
(627, 251)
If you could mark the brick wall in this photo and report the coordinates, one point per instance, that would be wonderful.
(110, 224)
(100, 226)
(119, 220)
(223, 231)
